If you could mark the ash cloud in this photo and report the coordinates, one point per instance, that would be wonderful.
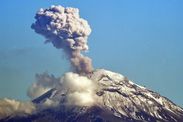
(64, 28)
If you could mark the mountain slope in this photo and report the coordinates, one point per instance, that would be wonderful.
(118, 100)
(124, 97)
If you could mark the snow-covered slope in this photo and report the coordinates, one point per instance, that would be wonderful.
(117, 98)
(126, 98)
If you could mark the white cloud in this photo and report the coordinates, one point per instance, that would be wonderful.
(81, 90)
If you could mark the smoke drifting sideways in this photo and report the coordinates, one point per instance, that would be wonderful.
(80, 90)
(13, 107)
(44, 82)
(64, 28)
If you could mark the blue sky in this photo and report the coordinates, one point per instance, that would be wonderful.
(141, 39)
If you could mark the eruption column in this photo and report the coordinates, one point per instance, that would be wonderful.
(64, 28)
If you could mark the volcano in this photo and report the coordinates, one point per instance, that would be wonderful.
(118, 100)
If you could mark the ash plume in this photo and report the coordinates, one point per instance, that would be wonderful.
(64, 28)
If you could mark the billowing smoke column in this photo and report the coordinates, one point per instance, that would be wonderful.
(64, 28)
